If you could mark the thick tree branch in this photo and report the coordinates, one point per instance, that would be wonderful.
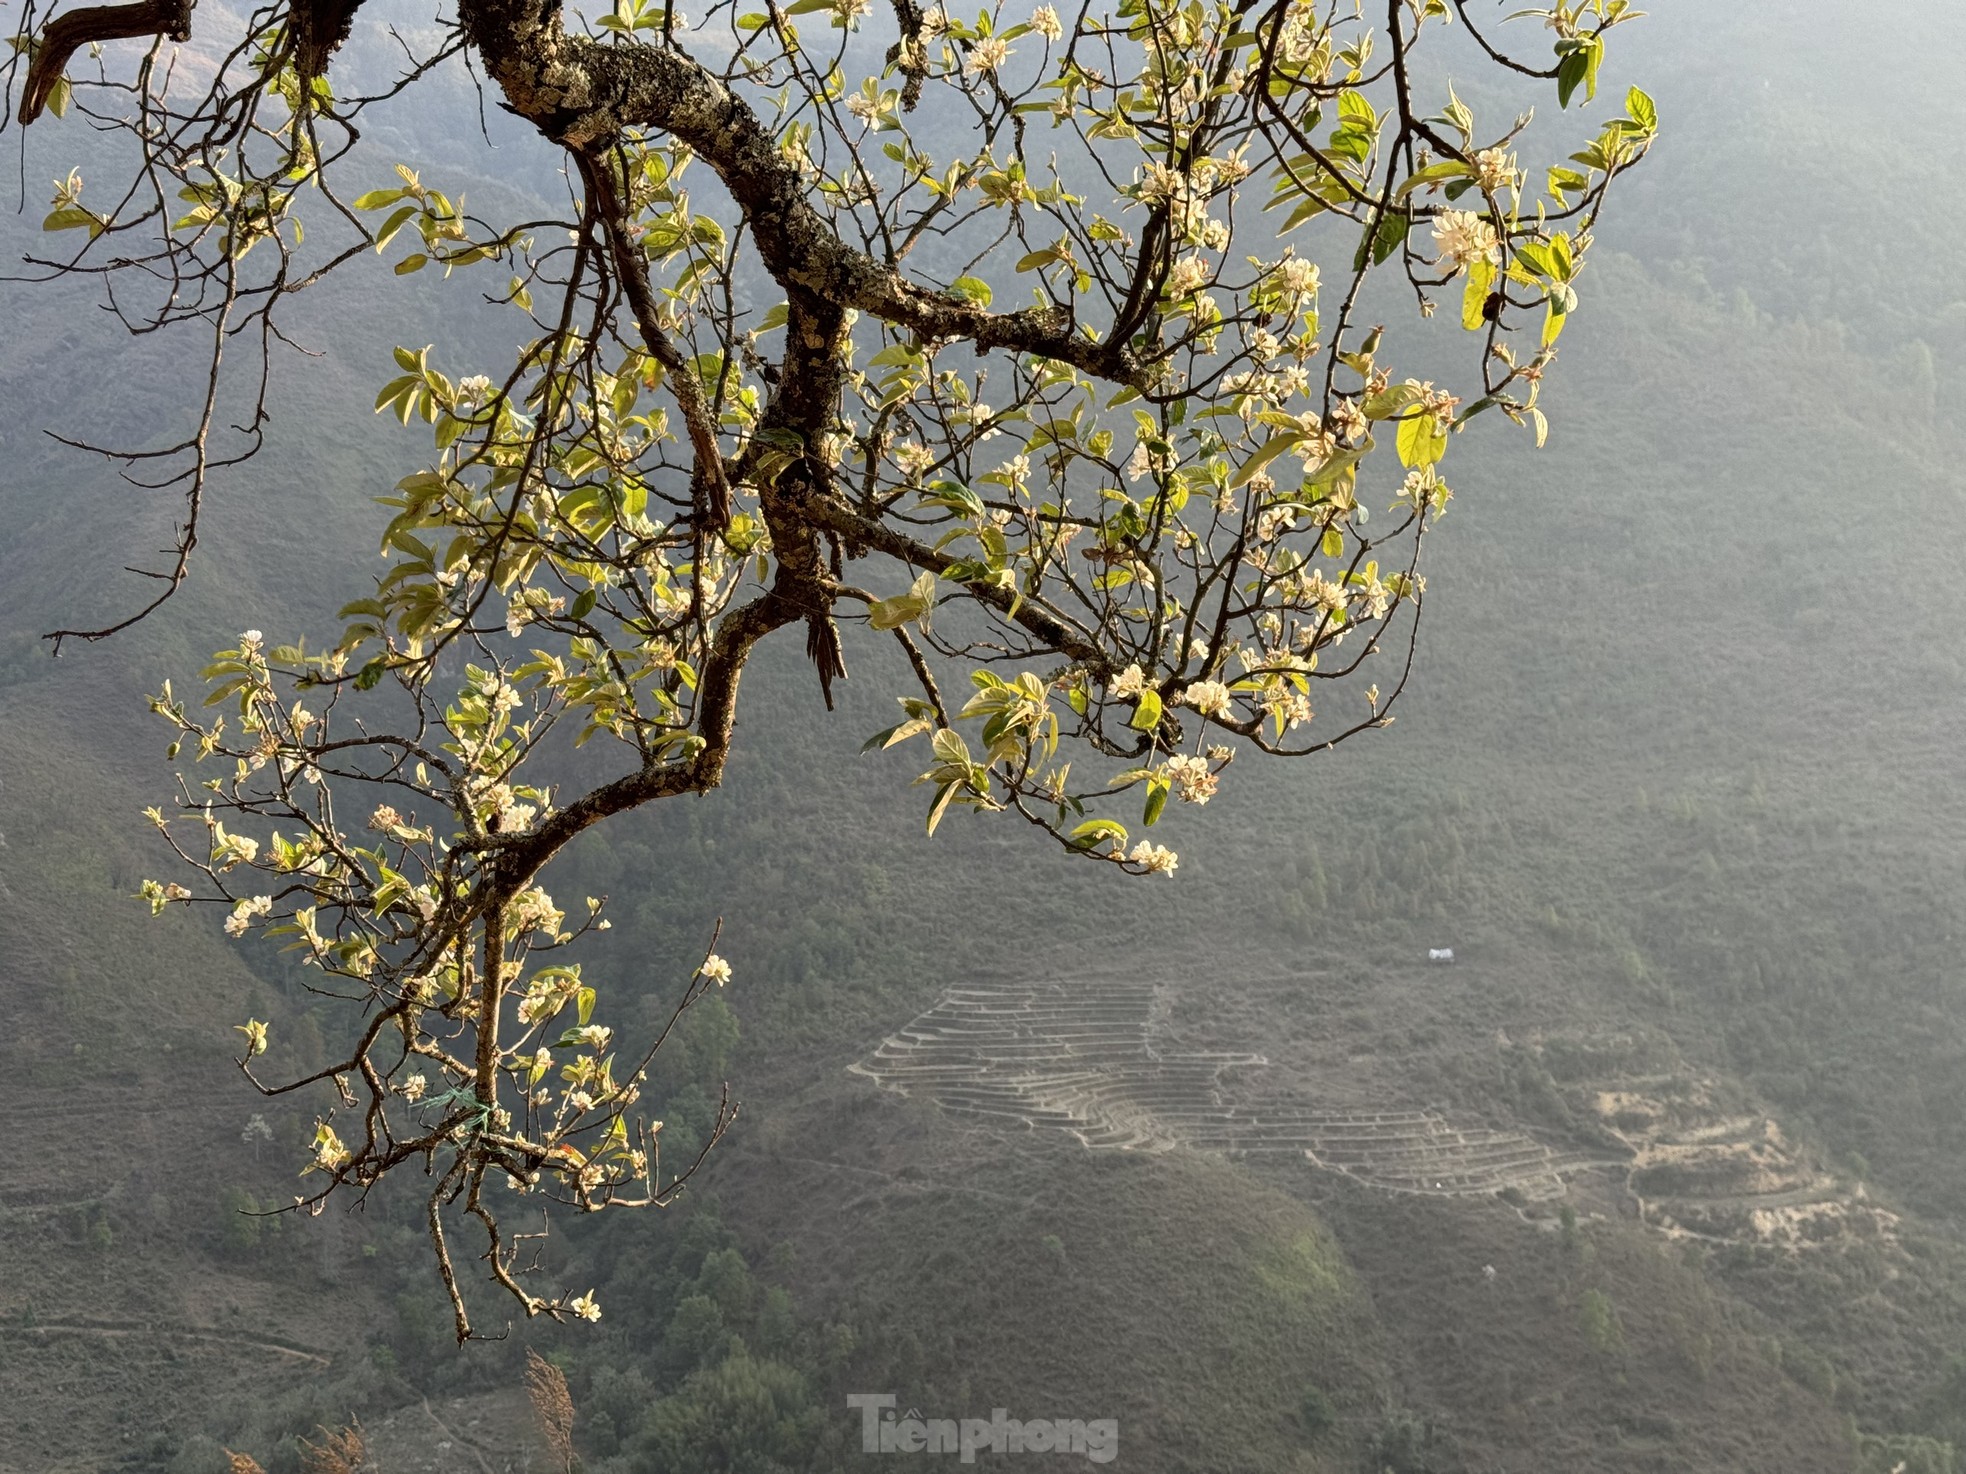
(318, 28)
(523, 856)
(69, 33)
(1022, 611)
(583, 93)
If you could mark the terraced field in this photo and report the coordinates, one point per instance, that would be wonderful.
(1703, 1170)
(1094, 1059)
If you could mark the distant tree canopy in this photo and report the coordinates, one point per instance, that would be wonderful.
(1168, 510)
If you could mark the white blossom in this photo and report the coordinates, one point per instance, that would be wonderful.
(1210, 698)
(1347, 420)
(1377, 596)
(1273, 522)
(1494, 170)
(533, 910)
(1463, 237)
(1015, 469)
(1187, 276)
(1159, 183)
(1287, 704)
(1193, 782)
(988, 54)
(1298, 275)
(244, 912)
(1323, 594)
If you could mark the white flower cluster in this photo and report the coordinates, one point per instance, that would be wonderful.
(504, 806)
(987, 55)
(1285, 703)
(1287, 383)
(245, 912)
(1322, 594)
(1301, 32)
(1347, 420)
(1145, 462)
(1463, 237)
(1210, 698)
(1193, 782)
(528, 605)
(533, 910)
(1188, 276)
(1186, 195)
(1298, 276)
(1494, 170)
(473, 392)
(545, 996)
(1423, 488)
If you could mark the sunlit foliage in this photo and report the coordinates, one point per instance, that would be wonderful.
(1168, 510)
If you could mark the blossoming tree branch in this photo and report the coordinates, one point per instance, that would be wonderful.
(1027, 359)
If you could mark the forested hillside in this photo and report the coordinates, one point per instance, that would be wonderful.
(1666, 1172)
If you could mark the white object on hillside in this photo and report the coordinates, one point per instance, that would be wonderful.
(1440, 954)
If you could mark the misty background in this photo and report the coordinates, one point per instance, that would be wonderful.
(1678, 779)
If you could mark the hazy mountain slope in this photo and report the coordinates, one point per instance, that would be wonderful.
(1677, 780)
(143, 1301)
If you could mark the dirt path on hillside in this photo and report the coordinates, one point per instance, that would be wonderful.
(189, 1333)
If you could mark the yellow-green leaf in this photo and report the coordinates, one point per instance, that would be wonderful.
(1422, 440)
(1275, 446)
(1474, 298)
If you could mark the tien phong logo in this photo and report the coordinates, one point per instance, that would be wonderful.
(884, 1431)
